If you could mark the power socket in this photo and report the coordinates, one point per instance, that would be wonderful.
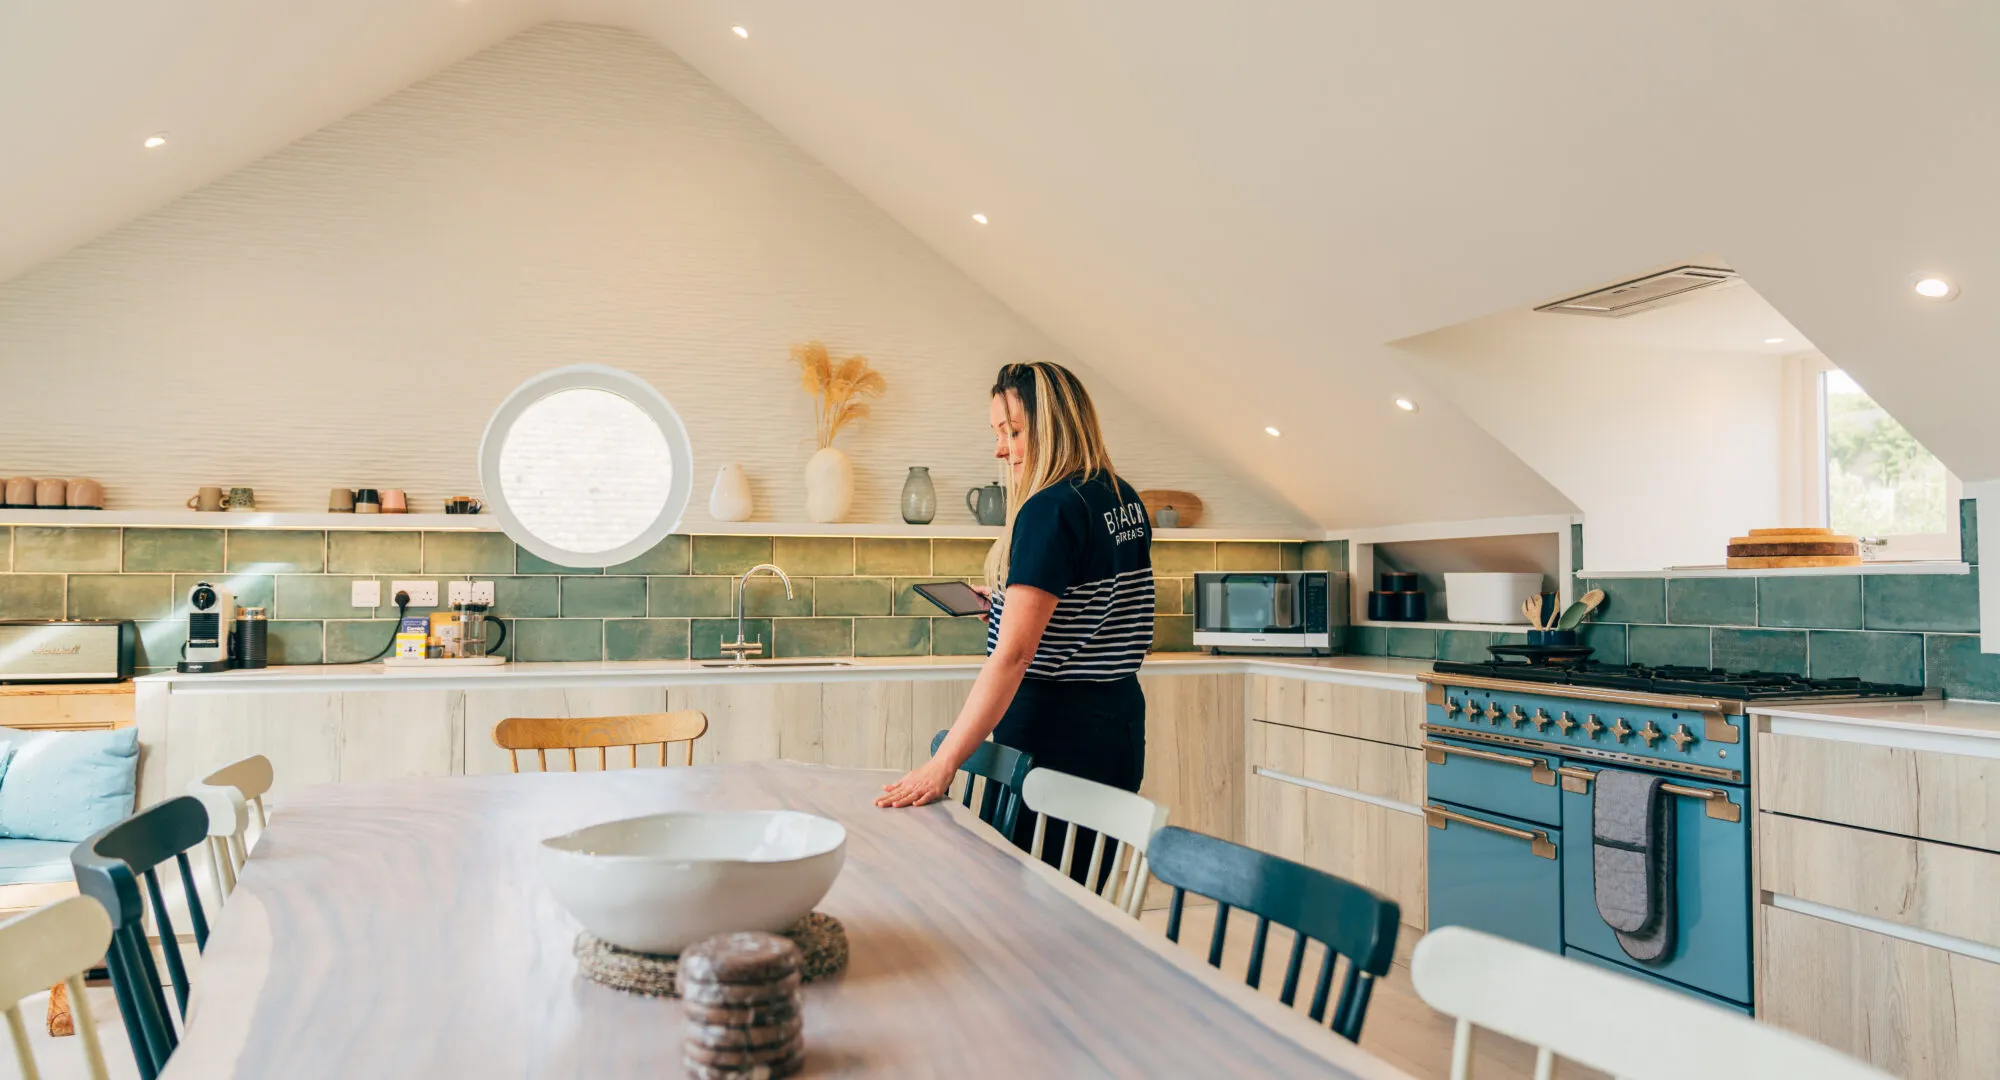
(468, 592)
(482, 593)
(422, 593)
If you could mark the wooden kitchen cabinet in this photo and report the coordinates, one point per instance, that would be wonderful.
(1362, 842)
(67, 706)
(1942, 888)
(1358, 712)
(1194, 751)
(1954, 798)
(1371, 768)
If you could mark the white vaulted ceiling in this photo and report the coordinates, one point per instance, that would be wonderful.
(1229, 209)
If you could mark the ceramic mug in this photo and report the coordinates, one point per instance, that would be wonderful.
(86, 495)
(367, 502)
(208, 499)
(463, 504)
(242, 499)
(394, 501)
(340, 501)
(21, 491)
(52, 493)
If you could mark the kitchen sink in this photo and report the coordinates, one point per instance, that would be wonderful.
(753, 665)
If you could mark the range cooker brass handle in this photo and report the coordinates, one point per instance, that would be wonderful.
(1437, 817)
(1718, 805)
(1538, 769)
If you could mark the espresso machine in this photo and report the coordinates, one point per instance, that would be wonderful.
(211, 617)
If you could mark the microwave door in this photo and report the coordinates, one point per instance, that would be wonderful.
(1284, 605)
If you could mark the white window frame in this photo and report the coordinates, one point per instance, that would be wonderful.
(1802, 497)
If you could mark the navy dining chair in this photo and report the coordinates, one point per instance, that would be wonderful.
(1005, 769)
(1349, 920)
(111, 867)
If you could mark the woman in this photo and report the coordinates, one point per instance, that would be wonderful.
(1071, 613)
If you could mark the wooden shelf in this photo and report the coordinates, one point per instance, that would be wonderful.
(1938, 566)
(1497, 628)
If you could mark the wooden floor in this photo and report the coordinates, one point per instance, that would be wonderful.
(1400, 1027)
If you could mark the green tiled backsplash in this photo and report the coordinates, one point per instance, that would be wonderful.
(851, 596)
(1916, 629)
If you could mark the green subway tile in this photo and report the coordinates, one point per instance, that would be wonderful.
(248, 590)
(1955, 663)
(892, 637)
(962, 636)
(907, 600)
(1885, 658)
(155, 550)
(310, 596)
(1183, 556)
(38, 547)
(297, 642)
(499, 638)
(350, 641)
(1712, 601)
(376, 552)
(159, 644)
(1504, 637)
(465, 553)
(854, 596)
(557, 639)
(31, 596)
(645, 639)
(1249, 555)
(1832, 602)
(527, 562)
(1608, 639)
(120, 596)
(765, 596)
(526, 597)
(1944, 603)
(1633, 600)
(1413, 642)
(707, 635)
(1187, 595)
(729, 554)
(1662, 645)
(1367, 641)
(6, 548)
(1968, 530)
(1167, 596)
(882, 556)
(1576, 548)
(814, 637)
(963, 557)
(1465, 645)
(1760, 650)
(1294, 555)
(1318, 555)
(603, 597)
(814, 556)
(1173, 634)
(669, 556)
(689, 597)
(277, 551)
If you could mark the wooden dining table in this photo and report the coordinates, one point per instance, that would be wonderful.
(403, 929)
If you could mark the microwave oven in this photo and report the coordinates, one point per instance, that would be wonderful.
(1282, 610)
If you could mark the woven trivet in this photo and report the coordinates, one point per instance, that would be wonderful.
(821, 940)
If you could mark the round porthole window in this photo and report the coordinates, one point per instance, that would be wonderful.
(586, 466)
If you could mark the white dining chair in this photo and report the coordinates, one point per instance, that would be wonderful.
(229, 794)
(1114, 813)
(51, 945)
(1610, 1022)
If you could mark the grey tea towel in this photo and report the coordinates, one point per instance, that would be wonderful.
(1632, 856)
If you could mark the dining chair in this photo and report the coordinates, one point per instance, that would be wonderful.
(54, 944)
(1004, 769)
(229, 794)
(1490, 982)
(572, 733)
(1349, 920)
(1123, 821)
(110, 867)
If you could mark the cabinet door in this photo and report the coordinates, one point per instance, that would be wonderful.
(1495, 874)
(1276, 821)
(1929, 886)
(390, 734)
(1372, 768)
(1194, 751)
(300, 733)
(1953, 798)
(1365, 712)
(1370, 845)
(866, 725)
(755, 721)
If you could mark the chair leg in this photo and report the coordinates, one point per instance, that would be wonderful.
(23, 1056)
(59, 1020)
(86, 1023)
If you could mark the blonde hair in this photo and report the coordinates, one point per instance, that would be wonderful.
(1064, 439)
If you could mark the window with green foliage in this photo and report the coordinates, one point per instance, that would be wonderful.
(1880, 482)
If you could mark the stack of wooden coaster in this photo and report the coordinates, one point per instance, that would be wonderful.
(742, 1007)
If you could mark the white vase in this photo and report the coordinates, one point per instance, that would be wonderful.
(730, 501)
(829, 485)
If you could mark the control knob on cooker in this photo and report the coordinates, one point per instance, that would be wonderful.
(1651, 734)
(1493, 712)
(1681, 737)
(1541, 720)
(1591, 725)
(1620, 729)
(1565, 722)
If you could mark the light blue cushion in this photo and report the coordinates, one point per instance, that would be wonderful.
(65, 785)
(32, 862)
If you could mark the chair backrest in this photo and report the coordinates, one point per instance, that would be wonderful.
(1504, 986)
(572, 733)
(1004, 769)
(53, 944)
(1116, 815)
(229, 794)
(1349, 920)
(110, 867)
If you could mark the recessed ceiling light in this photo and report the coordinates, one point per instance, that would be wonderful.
(740, 31)
(154, 142)
(1406, 404)
(980, 218)
(1774, 341)
(1934, 287)
(1271, 431)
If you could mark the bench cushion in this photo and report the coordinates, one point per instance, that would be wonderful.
(28, 862)
(66, 785)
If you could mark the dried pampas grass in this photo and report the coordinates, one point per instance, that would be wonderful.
(837, 389)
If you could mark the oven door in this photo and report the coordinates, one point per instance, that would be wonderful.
(1494, 873)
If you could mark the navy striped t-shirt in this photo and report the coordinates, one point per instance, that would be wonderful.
(1087, 541)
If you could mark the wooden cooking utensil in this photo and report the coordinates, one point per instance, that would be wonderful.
(1532, 609)
(1573, 616)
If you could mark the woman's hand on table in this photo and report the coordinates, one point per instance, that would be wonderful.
(927, 783)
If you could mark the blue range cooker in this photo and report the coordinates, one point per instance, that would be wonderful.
(1513, 756)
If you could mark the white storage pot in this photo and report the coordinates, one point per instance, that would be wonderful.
(1489, 598)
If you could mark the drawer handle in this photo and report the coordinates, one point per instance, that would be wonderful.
(1437, 817)
(1538, 770)
(1718, 805)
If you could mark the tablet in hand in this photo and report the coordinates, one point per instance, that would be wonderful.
(955, 597)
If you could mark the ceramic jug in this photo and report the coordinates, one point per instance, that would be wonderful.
(988, 504)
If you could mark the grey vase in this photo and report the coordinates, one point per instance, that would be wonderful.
(919, 497)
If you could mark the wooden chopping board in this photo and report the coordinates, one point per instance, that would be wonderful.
(1185, 503)
(1766, 549)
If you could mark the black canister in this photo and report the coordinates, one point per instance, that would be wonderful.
(253, 638)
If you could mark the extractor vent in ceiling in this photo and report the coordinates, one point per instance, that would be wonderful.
(1643, 293)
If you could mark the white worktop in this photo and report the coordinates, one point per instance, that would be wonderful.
(1377, 671)
(1943, 726)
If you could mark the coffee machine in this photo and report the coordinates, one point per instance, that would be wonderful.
(211, 617)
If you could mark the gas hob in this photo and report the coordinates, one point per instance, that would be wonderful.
(1757, 686)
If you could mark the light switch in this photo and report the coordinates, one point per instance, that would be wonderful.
(367, 594)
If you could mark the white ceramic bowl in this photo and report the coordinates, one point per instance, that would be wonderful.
(660, 883)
